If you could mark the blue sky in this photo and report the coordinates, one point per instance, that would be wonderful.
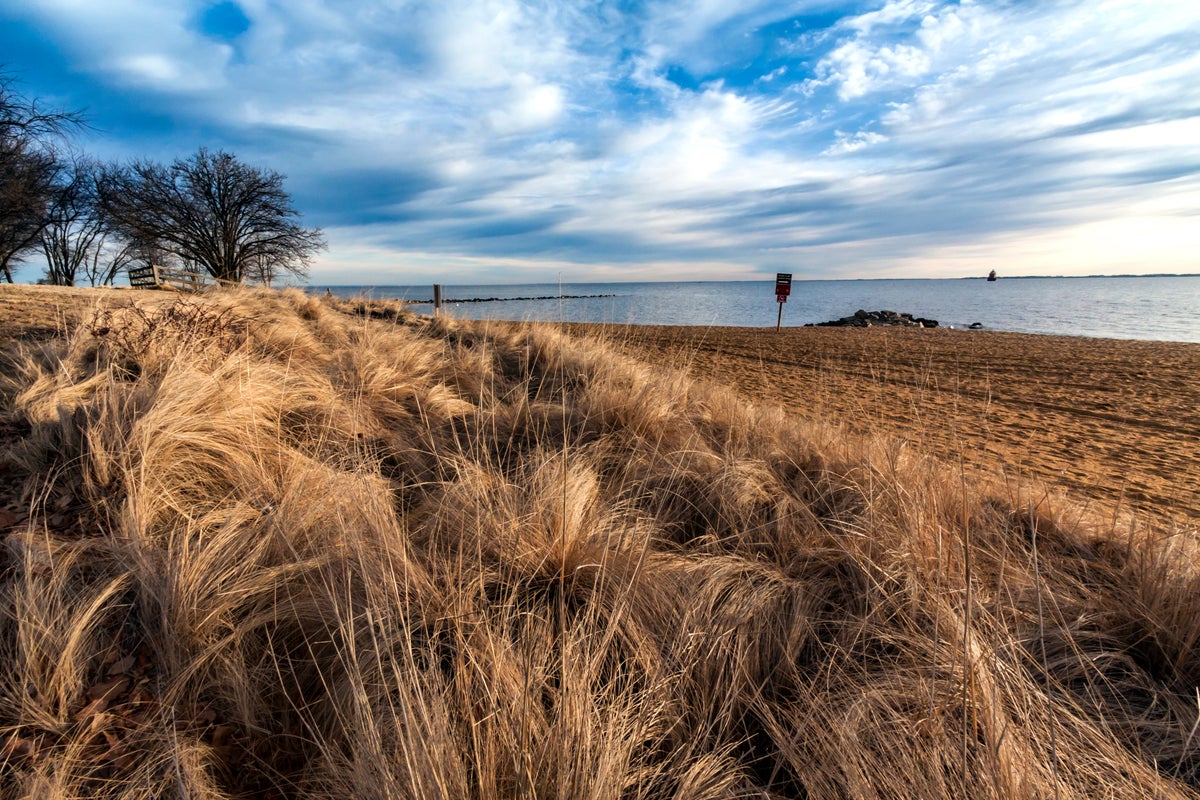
(504, 141)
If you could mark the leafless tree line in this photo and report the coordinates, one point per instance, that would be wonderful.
(91, 221)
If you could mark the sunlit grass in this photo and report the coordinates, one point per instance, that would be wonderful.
(284, 547)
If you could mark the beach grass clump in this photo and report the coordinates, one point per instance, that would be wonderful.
(280, 547)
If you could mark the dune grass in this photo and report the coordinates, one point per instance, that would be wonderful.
(280, 547)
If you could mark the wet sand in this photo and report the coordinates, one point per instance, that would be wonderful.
(1113, 423)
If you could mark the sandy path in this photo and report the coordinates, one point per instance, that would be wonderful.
(1112, 421)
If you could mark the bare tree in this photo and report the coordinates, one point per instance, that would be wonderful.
(28, 168)
(261, 270)
(73, 234)
(108, 260)
(26, 183)
(117, 255)
(228, 218)
(22, 118)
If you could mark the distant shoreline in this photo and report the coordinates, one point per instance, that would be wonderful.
(1090, 307)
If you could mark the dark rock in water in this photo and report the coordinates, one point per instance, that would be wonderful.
(867, 319)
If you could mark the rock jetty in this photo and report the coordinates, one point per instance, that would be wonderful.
(868, 319)
(451, 300)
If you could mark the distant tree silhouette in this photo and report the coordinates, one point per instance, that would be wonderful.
(29, 166)
(213, 211)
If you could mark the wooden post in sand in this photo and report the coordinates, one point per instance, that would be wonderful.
(783, 287)
(437, 299)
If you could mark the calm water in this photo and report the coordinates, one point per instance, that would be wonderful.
(1162, 308)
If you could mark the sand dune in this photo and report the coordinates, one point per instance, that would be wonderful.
(261, 544)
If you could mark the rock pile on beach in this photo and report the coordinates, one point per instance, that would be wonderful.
(867, 319)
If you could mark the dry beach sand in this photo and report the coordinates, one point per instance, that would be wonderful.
(1111, 422)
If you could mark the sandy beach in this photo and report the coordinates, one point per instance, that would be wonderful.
(1108, 421)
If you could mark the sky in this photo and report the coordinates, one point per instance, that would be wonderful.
(510, 141)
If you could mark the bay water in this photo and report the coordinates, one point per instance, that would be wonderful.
(1165, 308)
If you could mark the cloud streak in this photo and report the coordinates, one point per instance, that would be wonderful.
(703, 138)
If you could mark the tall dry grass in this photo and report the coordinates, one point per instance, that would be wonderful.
(280, 550)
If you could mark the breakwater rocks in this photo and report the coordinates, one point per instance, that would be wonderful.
(504, 299)
(868, 319)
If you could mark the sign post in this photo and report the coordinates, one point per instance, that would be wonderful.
(783, 287)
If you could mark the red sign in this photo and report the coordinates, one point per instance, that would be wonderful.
(783, 284)
(782, 298)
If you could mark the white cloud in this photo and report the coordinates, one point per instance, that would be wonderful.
(490, 42)
(924, 124)
(853, 142)
(532, 106)
(877, 56)
(138, 45)
(149, 68)
(858, 70)
(892, 13)
(709, 143)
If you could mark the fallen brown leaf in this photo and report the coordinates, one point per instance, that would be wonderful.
(92, 709)
(222, 734)
(16, 747)
(121, 666)
(106, 690)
